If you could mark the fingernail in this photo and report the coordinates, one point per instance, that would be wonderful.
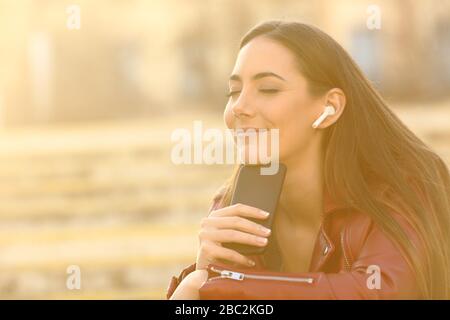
(265, 230)
(262, 240)
(265, 213)
(251, 263)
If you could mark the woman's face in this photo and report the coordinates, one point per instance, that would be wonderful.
(268, 91)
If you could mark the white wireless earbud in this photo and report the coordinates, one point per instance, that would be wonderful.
(329, 111)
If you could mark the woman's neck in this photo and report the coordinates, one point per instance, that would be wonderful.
(302, 196)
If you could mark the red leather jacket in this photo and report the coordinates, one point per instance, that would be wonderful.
(348, 248)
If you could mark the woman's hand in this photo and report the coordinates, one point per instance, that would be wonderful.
(229, 224)
(188, 288)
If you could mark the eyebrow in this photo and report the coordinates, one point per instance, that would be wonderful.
(258, 76)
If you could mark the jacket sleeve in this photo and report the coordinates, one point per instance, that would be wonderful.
(176, 280)
(396, 277)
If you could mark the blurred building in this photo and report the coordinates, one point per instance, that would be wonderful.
(141, 58)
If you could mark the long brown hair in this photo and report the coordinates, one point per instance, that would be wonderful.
(369, 143)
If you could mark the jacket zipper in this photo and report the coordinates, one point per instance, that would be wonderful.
(347, 263)
(241, 276)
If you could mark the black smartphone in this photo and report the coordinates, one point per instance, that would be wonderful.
(260, 191)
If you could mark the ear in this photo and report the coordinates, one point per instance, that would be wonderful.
(334, 97)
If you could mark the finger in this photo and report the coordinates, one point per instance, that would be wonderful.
(240, 209)
(218, 252)
(230, 235)
(237, 223)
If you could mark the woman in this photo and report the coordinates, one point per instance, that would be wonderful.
(364, 211)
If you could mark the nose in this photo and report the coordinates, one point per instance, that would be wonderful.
(243, 108)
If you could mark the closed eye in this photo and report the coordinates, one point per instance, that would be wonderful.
(266, 91)
(269, 91)
(232, 93)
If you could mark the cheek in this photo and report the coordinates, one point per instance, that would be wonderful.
(294, 123)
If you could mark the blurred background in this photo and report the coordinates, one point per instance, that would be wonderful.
(90, 92)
